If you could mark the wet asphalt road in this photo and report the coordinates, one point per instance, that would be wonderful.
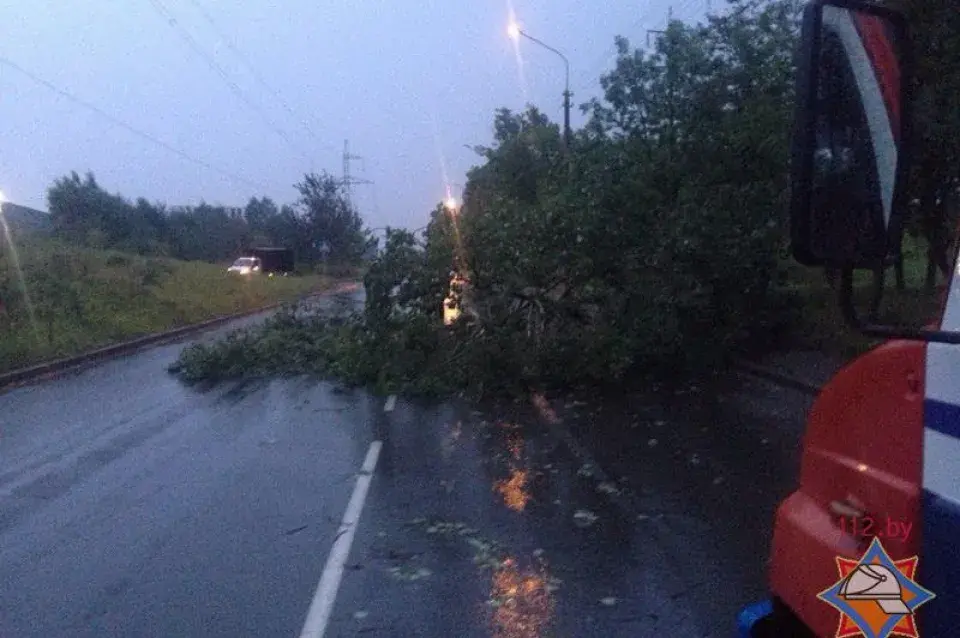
(131, 505)
(679, 558)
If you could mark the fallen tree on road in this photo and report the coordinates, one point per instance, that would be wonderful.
(651, 245)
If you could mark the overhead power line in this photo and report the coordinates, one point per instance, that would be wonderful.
(212, 63)
(118, 122)
(256, 74)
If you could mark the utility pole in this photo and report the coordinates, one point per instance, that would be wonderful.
(348, 179)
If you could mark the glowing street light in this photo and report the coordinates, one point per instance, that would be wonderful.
(515, 32)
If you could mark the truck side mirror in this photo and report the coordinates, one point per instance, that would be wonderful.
(850, 147)
(849, 162)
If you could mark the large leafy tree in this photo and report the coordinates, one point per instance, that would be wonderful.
(259, 212)
(331, 222)
(82, 210)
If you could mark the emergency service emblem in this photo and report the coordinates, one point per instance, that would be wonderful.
(876, 596)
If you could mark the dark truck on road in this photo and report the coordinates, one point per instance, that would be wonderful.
(268, 261)
(274, 260)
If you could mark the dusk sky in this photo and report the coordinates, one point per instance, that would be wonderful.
(408, 83)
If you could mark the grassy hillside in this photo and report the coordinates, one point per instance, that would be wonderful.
(78, 299)
(21, 219)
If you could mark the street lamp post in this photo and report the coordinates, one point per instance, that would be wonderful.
(515, 32)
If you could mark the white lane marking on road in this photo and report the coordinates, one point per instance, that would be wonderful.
(390, 404)
(322, 605)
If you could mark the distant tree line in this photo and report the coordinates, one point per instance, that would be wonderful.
(320, 225)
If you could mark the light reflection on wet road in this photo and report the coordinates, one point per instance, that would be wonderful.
(515, 560)
(130, 505)
(514, 489)
(523, 601)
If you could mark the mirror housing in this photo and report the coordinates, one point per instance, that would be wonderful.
(850, 158)
(849, 162)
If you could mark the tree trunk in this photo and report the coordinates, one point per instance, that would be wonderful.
(930, 278)
(934, 230)
(897, 263)
(940, 239)
(879, 280)
(898, 269)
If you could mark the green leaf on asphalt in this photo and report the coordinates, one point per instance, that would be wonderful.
(608, 488)
(584, 518)
(409, 574)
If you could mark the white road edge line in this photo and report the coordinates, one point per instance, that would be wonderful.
(322, 605)
(390, 404)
